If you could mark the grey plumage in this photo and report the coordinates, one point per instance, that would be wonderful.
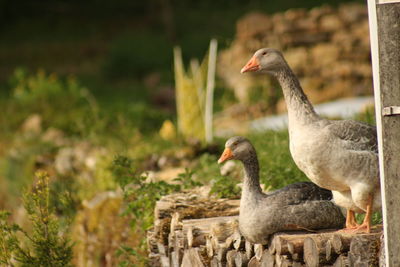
(359, 135)
(298, 206)
(337, 155)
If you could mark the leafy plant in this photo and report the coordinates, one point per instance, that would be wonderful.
(376, 218)
(140, 197)
(60, 103)
(185, 179)
(48, 246)
(41, 86)
(225, 187)
(207, 168)
(8, 239)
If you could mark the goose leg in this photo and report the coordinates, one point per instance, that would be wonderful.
(365, 227)
(351, 220)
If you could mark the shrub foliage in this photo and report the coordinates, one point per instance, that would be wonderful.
(46, 245)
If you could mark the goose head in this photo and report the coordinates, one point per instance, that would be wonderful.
(265, 60)
(239, 148)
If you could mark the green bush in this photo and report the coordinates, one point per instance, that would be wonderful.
(70, 107)
(140, 198)
(140, 195)
(47, 245)
(185, 179)
(225, 187)
(207, 168)
(61, 103)
(42, 87)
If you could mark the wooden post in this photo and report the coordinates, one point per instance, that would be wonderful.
(384, 21)
(212, 59)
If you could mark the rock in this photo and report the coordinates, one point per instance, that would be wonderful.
(336, 89)
(331, 23)
(162, 162)
(363, 70)
(352, 12)
(359, 31)
(312, 84)
(324, 54)
(90, 162)
(55, 136)
(281, 24)
(80, 156)
(297, 57)
(295, 14)
(64, 160)
(341, 70)
(318, 12)
(230, 63)
(252, 24)
(32, 125)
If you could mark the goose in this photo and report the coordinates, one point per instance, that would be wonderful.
(297, 206)
(339, 155)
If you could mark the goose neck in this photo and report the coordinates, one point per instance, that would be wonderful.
(298, 106)
(251, 183)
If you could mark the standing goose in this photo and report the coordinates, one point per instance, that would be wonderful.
(297, 206)
(337, 155)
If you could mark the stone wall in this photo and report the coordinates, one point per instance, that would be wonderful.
(328, 49)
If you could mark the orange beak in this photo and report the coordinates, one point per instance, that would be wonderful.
(252, 65)
(226, 155)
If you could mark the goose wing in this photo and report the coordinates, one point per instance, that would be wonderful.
(356, 135)
(297, 193)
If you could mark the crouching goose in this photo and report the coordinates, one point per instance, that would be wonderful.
(337, 155)
(297, 206)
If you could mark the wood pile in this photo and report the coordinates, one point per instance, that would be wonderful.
(328, 49)
(194, 230)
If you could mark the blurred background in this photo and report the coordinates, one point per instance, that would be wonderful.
(88, 94)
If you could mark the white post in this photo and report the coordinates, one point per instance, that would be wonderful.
(384, 23)
(208, 117)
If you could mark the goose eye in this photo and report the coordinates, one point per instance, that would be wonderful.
(264, 53)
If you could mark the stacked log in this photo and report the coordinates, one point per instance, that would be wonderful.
(177, 230)
(328, 49)
(191, 230)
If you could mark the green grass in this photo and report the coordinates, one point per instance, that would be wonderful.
(277, 168)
